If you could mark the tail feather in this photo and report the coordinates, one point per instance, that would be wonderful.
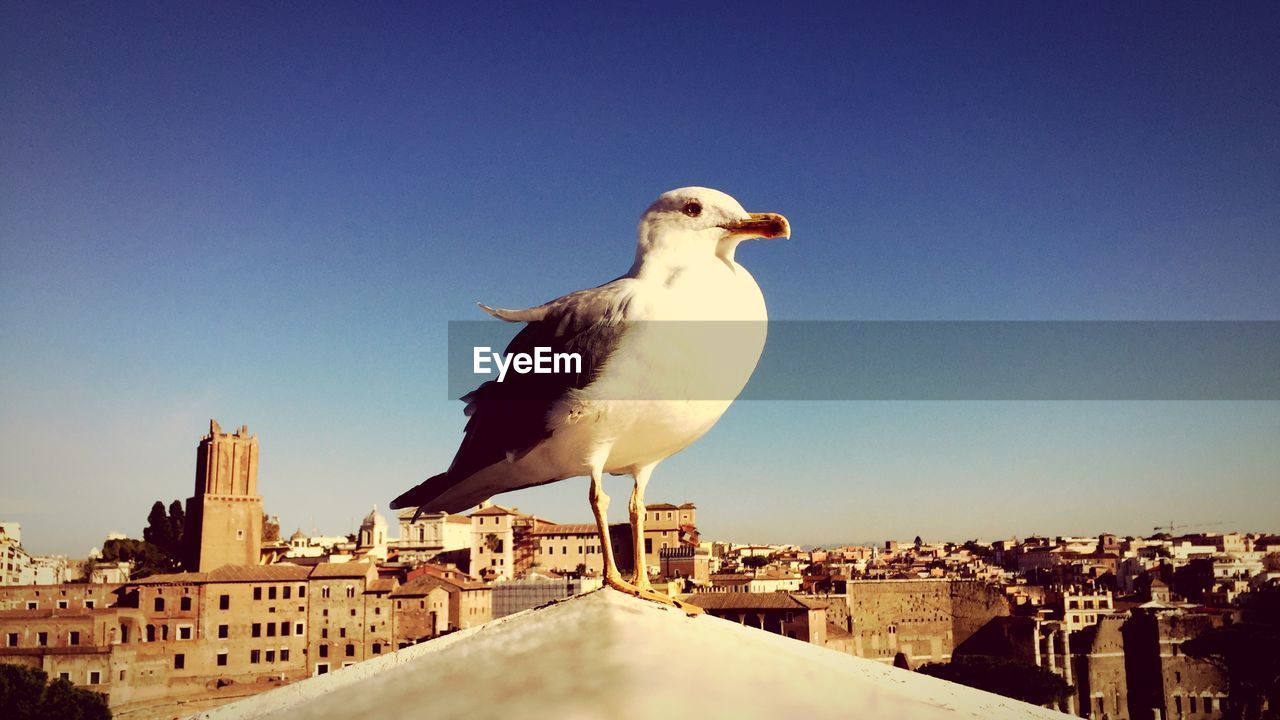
(433, 495)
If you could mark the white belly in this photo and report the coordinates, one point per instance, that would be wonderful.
(687, 354)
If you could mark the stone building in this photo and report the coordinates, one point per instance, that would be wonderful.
(1101, 679)
(493, 542)
(224, 515)
(371, 540)
(923, 620)
(668, 526)
(350, 615)
(431, 534)
(785, 614)
(1165, 682)
(421, 610)
(568, 548)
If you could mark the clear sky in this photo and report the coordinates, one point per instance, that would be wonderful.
(267, 215)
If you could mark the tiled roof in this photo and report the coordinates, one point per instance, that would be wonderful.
(493, 510)
(184, 578)
(258, 573)
(577, 529)
(749, 601)
(341, 570)
(382, 585)
(418, 587)
(661, 506)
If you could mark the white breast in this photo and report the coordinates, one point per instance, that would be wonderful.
(691, 347)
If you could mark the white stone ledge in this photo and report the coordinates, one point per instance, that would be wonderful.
(608, 655)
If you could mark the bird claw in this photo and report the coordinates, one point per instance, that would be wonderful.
(646, 592)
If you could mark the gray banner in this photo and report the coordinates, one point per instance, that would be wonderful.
(926, 360)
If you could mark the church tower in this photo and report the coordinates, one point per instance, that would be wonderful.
(224, 516)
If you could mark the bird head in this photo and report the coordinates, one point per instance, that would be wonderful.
(693, 221)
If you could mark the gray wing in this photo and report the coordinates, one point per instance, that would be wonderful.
(508, 419)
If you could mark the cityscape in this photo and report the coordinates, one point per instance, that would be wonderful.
(240, 608)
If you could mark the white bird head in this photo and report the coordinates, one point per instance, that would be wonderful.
(697, 221)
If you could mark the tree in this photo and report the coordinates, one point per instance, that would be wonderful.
(1248, 653)
(178, 528)
(158, 531)
(143, 557)
(755, 562)
(270, 529)
(25, 696)
(1011, 678)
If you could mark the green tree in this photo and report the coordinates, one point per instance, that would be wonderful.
(158, 531)
(177, 529)
(1002, 676)
(270, 529)
(143, 557)
(25, 696)
(755, 562)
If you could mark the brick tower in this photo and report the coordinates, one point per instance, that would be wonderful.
(224, 516)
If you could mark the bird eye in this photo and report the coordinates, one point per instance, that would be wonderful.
(692, 208)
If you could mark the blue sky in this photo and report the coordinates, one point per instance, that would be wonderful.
(268, 215)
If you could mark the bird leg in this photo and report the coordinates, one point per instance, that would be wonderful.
(641, 578)
(600, 506)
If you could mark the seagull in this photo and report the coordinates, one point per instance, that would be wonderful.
(665, 349)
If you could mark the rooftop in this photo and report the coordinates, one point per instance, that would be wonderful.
(585, 658)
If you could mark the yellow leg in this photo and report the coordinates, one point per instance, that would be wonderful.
(641, 578)
(600, 507)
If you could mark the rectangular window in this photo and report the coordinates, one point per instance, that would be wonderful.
(342, 632)
(224, 631)
(95, 677)
(159, 604)
(73, 637)
(256, 630)
(31, 604)
(351, 650)
(287, 591)
(89, 604)
(184, 632)
(224, 602)
(377, 648)
(302, 591)
(255, 656)
(324, 651)
(372, 629)
(42, 639)
(185, 604)
(257, 593)
(11, 640)
(284, 654)
(324, 633)
(271, 656)
(271, 629)
(64, 676)
(297, 628)
(271, 593)
(179, 661)
(62, 604)
(222, 659)
(284, 628)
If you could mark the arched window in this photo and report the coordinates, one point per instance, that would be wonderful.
(159, 604)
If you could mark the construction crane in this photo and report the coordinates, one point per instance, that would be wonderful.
(1173, 528)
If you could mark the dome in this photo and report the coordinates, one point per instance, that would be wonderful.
(373, 519)
(297, 535)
